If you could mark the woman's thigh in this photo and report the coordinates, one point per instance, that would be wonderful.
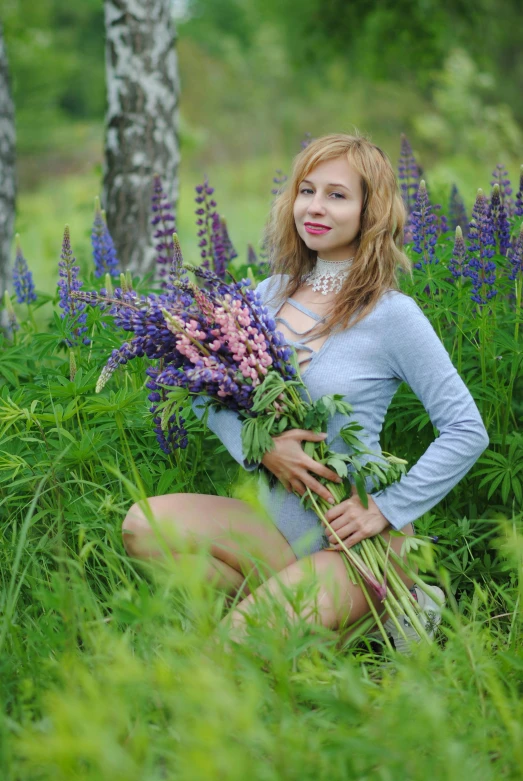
(230, 529)
(335, 602)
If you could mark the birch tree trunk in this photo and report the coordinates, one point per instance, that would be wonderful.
(7, 166)
(141, 123)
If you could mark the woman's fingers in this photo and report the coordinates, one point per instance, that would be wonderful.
(322, 470)
(318, 488)
(310, 436)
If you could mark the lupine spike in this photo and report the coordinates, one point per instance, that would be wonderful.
(481, 269)
(423, 227)
(501, 178)
(129, 280)
(104, 252)
(518, 210)
(252, 258)
(408, 174)
(227, 243)
(123, 283)
(457, 211)
(164, 223)
(204, 214)
(22, 277)
(280, 180)
(458, 261)
(499, 219)
(69, 283)
(515, 256)
(11, 315)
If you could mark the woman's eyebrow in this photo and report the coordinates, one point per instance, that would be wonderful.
(332, 184)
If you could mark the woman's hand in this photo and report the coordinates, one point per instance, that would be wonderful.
(291, 465)
(353, 523)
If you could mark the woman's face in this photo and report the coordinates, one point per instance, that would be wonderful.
(327, 209)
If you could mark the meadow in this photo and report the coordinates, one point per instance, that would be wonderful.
(107, 671)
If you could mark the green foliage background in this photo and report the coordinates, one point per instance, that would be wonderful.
(105, 667)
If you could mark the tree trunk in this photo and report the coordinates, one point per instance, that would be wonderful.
(141, 122)
(7, 167)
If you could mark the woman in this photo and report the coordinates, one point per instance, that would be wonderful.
(335, 235)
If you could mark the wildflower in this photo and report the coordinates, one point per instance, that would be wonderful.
(499, 220)
(408, 174)
(22, 277)
(164, 223)
(204, 214)
(423, 227)
(104, 252)
(457, 211)
(219, 252)
(518, 210)
(11, 316)
(515, 256)
(481, 269)
(68, 284)
(280, 179)
(252, 258)
(500, 177)
(307, 138)
(230, 252)
(458, 261)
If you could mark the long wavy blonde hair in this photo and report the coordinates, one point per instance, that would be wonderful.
(383, 215)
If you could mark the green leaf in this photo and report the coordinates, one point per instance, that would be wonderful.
(360, 487)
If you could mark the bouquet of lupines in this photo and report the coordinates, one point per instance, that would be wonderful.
(221, 343)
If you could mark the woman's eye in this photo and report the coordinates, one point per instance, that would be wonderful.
(305, 190)
(340, 195)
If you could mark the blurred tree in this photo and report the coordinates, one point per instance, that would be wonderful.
(141, 122)
(7, 165)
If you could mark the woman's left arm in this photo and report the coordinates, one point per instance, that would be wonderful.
(412, 352)
(416, 355)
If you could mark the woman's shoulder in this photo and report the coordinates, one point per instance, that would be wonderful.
(272, 288)
(395, 305)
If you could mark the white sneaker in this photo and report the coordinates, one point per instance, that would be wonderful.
(430, 616)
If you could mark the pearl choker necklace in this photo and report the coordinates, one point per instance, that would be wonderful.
(328, 276)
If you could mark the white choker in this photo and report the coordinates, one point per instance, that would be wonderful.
(328, 276)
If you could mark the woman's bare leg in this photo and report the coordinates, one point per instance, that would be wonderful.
(337, 603)
(239, 539)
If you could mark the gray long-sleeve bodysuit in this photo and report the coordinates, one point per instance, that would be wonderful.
(366, 363)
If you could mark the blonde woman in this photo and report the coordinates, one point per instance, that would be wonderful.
(335, 236)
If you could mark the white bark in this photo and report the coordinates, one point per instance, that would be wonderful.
(7, 167)
(141, 121)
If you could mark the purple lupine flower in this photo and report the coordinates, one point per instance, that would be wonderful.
(307, 138)
(279, 180)
(424, 232)
(218, 248)
(499, 220)
(515, 256)
(104, 252)
(12, 320)
(482, 245)
(68, 283)
(518, 210)
(204, 213)
(501, 178)
(22, 277)
(457, 211)
(408, 174)
(252, 258)
(441, 222)
(458, 261)
(230, 251)
(164, 224)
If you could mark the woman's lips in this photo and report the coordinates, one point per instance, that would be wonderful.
(316, 230)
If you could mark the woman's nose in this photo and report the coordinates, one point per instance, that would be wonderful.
(316, 205)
